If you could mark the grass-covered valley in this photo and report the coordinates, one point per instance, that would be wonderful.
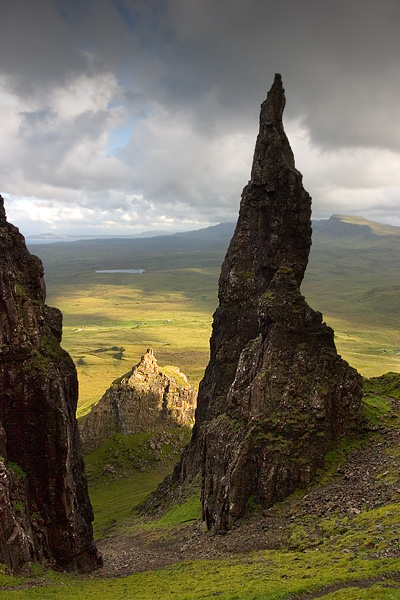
(111, 318)
(337, 539)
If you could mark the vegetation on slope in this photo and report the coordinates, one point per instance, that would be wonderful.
(338, 538)
(111, 318)
(125, 469)
(269, 575)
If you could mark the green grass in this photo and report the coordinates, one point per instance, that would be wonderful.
(114, 503)
(125, 469)
(125, 454)
(190, 510)
(378, 393)
(387, 385)
(352, 281)
(261, 576)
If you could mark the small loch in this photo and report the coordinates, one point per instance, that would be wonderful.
(121, 271)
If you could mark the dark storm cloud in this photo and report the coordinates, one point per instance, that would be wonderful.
(186, 77)
(339, 61)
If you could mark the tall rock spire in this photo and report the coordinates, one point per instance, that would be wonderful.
(273, 229)
(275, 396)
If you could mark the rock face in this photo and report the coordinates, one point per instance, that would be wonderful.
(142, 400)
(45, 511)
(275, 395)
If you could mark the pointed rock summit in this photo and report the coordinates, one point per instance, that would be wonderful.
(45, 511)
(273, 230)
(275, 396)
(144, 399)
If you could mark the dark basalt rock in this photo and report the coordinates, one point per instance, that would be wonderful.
(273, 229)
(45, 511)
(292, 398)
(275, 396)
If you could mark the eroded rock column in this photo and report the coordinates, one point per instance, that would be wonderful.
(275, 396)
(45, 511)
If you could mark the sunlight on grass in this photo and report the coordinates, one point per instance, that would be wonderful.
(270, 575)
(114, 502)
(176, 324)
(181, 513)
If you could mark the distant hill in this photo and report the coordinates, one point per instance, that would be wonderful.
(65, 237)
(166, 251)
(345, 226)
(370, 242)
(353, 278)
(341, 226)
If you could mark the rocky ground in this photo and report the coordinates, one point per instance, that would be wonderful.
(367, 479)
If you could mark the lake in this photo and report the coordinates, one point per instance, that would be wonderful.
(121, 271)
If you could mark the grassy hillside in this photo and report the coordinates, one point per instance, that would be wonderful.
(337, 539)
(110, 319)
(375, 228)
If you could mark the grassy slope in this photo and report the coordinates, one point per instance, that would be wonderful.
(376, 228)
(125, 469)
(342, 554)
(353, 280)
(263, 576)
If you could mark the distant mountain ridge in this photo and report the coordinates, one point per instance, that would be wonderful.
(56, 237)
(340, 225)
(343, 225)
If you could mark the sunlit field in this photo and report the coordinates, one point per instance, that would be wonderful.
(110, 319)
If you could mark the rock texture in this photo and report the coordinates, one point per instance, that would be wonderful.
(275, 395)
(45, 512)
(142, 400)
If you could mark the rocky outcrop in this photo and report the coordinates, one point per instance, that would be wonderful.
(273, 229)
(292, 398)
(275, 396)
(45, 511)
(142, 400)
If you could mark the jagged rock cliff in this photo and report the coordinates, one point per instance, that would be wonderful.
(275, 395)
(45, 511)
(142, 400)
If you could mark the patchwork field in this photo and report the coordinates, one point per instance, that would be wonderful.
(110, 319)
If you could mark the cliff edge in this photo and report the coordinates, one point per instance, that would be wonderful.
(45, 511)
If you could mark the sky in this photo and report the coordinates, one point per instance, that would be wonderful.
(122, 116)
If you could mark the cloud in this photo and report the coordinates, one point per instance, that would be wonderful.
(137, 114)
